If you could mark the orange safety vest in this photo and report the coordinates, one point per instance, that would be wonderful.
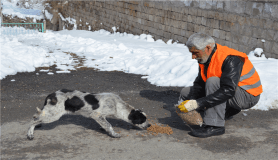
(249, 79)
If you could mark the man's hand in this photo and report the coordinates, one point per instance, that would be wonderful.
(188, 105)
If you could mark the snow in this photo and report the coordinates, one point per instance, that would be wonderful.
(162, 64)
(10, 8)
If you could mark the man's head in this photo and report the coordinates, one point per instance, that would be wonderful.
(201, 46)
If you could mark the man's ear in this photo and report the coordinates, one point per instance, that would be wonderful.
(208, 49)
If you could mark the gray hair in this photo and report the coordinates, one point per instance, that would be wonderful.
(200, 41)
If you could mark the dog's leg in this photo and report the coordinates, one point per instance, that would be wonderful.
(101, 120)
(42, 118)
(30, 133)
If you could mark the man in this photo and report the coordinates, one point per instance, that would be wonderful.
(227, 82)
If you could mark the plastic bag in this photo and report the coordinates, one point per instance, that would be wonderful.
(191, 118)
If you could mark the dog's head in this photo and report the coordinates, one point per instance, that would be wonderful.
(138, 118)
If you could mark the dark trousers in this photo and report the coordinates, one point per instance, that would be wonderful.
(215, 116)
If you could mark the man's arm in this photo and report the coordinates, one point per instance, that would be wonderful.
(231, 71)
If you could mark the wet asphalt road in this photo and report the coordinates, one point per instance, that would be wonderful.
(254, 136)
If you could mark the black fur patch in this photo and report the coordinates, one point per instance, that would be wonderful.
(74, 104)
(137, 117)
(66, 90)
(53, 99)
(91, 99)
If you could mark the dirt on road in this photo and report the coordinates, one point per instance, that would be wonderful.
(249, 135)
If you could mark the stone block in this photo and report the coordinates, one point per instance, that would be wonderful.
(219, 5)
(235, 46)
(196, 28)
(221, 42)
(167, 35)
(175, 37)
(156, 25)
(222, 25)
(228, 44)
(185, 10)
(252, 42)
(179, 17)
(210, 22)
(240, 7)
(199, 20)
(202, 4)
(182, 32)
(204, 21)
(267, 10)
(249, 8)
(216, 33)
(260, 44)
(204, 13)
(219, 16)
(202, 29)
(268, 24)
(276, 36)
(193, 11)
(273, 55)
(194, 19)
(210, 14)
(267, 54)
(177, 31)
(199, 12)
(245, 30)
(162, 27)
(244, 40)
(275, 25)
(175, 23)
(275, 48)
(222, 34)
(232, 18)
(157, 19)
(243, 48)
(235, 38)
(227, 6)
(184, 25)
(257, 9)
(153, 30)
(189, 18)
(216, 24)
(268, 34)
(181, 39)
(235, 27)
(188, 34)
(190, 27)
(209, 31)
(241, 20)
(228, 36)
(151, 18)
(257, 32)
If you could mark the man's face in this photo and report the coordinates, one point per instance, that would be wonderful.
(199, 55)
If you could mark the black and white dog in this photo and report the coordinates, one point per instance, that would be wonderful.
(97, 106)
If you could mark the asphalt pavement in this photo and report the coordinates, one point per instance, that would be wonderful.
(251, 134)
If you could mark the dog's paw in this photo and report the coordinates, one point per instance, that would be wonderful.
(30, 137)
(116, 135)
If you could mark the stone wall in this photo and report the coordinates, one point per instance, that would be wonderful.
(240, 24)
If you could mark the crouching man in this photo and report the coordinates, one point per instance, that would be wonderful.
(227, 82)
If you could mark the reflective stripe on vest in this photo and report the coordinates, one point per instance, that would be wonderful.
(249, 79)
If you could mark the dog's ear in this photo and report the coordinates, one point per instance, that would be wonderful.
(137, 117)
(39, 110)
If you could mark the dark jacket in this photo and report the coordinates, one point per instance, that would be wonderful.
(231, 71)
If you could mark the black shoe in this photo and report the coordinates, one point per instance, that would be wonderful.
(207, 131)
